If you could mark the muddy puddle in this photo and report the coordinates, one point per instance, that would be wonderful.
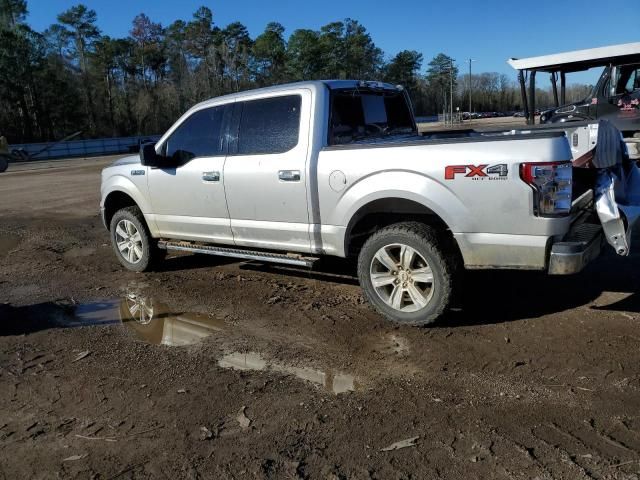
(155, 323)
(152, 322)
(8, 241)
(335, 382)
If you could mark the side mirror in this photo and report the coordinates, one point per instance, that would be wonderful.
(148, 155)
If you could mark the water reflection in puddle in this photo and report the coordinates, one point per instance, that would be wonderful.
(95, 314)
(151, 321)
(333, 382)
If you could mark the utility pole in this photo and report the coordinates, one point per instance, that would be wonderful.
(444, 107)
(451, 97)
(470, 60)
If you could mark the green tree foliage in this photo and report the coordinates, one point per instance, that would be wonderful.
(441, 73)
(236, 50)
(79, 25)
(199, 33)
(12, 13)
(269, 55)
(149, 51)
(304, 59)
(71, 77)
(360, 56)
(404, 69)
(17, 81)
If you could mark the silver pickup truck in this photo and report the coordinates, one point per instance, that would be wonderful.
(290, 173)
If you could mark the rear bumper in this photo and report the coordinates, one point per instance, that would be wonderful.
(573, 254)
(581, 245)
(504, 251)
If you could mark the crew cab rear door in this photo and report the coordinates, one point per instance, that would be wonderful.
(265, 171)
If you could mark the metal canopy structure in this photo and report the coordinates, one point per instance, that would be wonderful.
(577, 60)
(559, 64)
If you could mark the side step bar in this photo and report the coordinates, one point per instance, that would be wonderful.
(288, 259)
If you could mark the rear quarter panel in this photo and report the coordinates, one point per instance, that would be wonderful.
(467, 203)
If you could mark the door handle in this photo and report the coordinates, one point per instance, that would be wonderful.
(289, 175)
(211, 176)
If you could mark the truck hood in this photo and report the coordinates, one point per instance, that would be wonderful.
(130, 160)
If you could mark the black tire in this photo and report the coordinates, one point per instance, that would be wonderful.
(439, 256)
(4, 163)
(150, 254)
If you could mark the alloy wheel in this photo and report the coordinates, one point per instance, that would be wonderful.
(402, 277)
(129, 241)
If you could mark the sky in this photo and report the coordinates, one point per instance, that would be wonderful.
(489, 31)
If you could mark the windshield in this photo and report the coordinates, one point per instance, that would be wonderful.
(359, 114)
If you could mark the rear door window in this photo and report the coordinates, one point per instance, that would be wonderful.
(269, 125)
(200, 135)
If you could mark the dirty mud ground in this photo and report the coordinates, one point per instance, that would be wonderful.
(210, 368)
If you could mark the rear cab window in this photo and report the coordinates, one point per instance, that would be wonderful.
(361, 114)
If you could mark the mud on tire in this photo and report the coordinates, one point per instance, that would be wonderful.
(131, 241)
(401, 259)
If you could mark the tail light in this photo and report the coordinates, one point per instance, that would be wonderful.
(552, 187)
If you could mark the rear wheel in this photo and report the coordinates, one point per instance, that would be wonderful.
(4, 163)
(406, 273)
(131, 240)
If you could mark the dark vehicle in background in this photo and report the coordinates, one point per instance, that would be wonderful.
(616, 96)
(617, 90)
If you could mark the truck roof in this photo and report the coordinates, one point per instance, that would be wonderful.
(314, 84)
(578, 60)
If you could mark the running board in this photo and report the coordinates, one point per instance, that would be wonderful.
(288, 259)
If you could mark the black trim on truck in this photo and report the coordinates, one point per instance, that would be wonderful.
(445, 141)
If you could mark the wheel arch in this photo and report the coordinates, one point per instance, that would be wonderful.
(114, 201)
(396, 195)
(119, 191)
(382, 212)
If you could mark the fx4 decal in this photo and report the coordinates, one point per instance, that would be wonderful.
(477, 172)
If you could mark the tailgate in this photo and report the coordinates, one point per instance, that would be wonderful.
(615, 181)
(618, 204)
(616, 185)
(606, 204)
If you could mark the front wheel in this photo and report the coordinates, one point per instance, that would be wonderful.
(131, 240)
(406, 274)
